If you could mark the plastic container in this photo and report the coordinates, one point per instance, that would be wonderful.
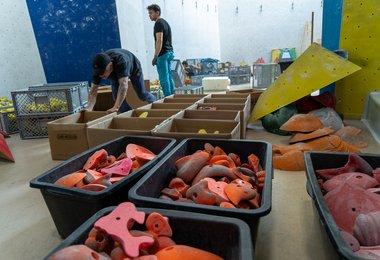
(240, 70)
(191, 90)
(210, 233)
(197, 80)
(70, 207)
(50, 98)
(240, 79)
(265, 74)
(177, 73)
(8, 122)
(147, 191)
(35, 126)
(318, 160)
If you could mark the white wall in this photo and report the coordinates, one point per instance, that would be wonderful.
(249, 33)
(194, 29)
(20, 63)
(131, 29)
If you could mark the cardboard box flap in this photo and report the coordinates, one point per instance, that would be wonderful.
(188, 128)
(170, 105)
(88, 116)
(225, 100)
(211, 115)
(181, 100)
(194, 125)
(234, 107)
(235, 95)
(199, 96)
(129, 123)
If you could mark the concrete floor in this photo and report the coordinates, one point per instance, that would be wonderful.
(290, 231)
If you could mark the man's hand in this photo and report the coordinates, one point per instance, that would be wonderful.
(154, 61)
(112, 110)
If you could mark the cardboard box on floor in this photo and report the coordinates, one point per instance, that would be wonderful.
(107, 130)
(163, 113)
(254, 94)
(161, 105)
(105, 101)
(209, 115)
(68, 135)
(198, 96)
(188, 128)
(180, 100)
(229, 107)
(231, 101)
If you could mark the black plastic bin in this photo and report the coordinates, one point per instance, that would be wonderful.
(227, 237)
(147, 191)
(70, 207)
(323, 160)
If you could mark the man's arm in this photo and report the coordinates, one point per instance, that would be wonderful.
(159, 40)
(121, 94)
(92, 96)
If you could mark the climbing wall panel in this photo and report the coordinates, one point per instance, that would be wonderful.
(360, 36)
(316, 68)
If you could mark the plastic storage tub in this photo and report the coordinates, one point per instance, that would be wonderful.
(336, 246)
(70, 207)
(147, 191)
(211, 233)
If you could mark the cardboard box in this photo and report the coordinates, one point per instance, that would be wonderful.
(161, 105)
(230, 101)
(105, 101)
(254, 93)
(229, 107)
(163, 113)
(199, 96)
(209, 115)
(188, 128)
(180, 100)
(107, 130)
(68, 135)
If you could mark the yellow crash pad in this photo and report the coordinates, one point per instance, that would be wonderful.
(316, 68)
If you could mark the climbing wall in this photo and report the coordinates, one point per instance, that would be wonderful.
(314, 69)
(69, 33)
(360, 36)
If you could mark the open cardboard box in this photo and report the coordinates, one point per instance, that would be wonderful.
(254, 94)
(68, 135)
(105, 101)
(180, 100)
(229, 107)
(209, 114)
(107, 130)
(188, 128)
(161, 105)
(230, 101)
(163, 113)
(198, 96)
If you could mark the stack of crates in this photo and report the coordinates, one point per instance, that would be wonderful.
(265, 74)
(39, 104)
(240, 75)
(177, 73)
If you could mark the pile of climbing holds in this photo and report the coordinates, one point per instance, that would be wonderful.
(114, 237)
(352, 194)
(213, 177)
(102, 170)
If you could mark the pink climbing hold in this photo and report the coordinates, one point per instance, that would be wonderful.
(122, 167)
(118, 223)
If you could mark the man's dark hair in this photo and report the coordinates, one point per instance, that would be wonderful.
(155, 8)
(185, 63)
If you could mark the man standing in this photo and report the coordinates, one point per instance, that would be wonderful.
(118, 65)
(163, 54)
